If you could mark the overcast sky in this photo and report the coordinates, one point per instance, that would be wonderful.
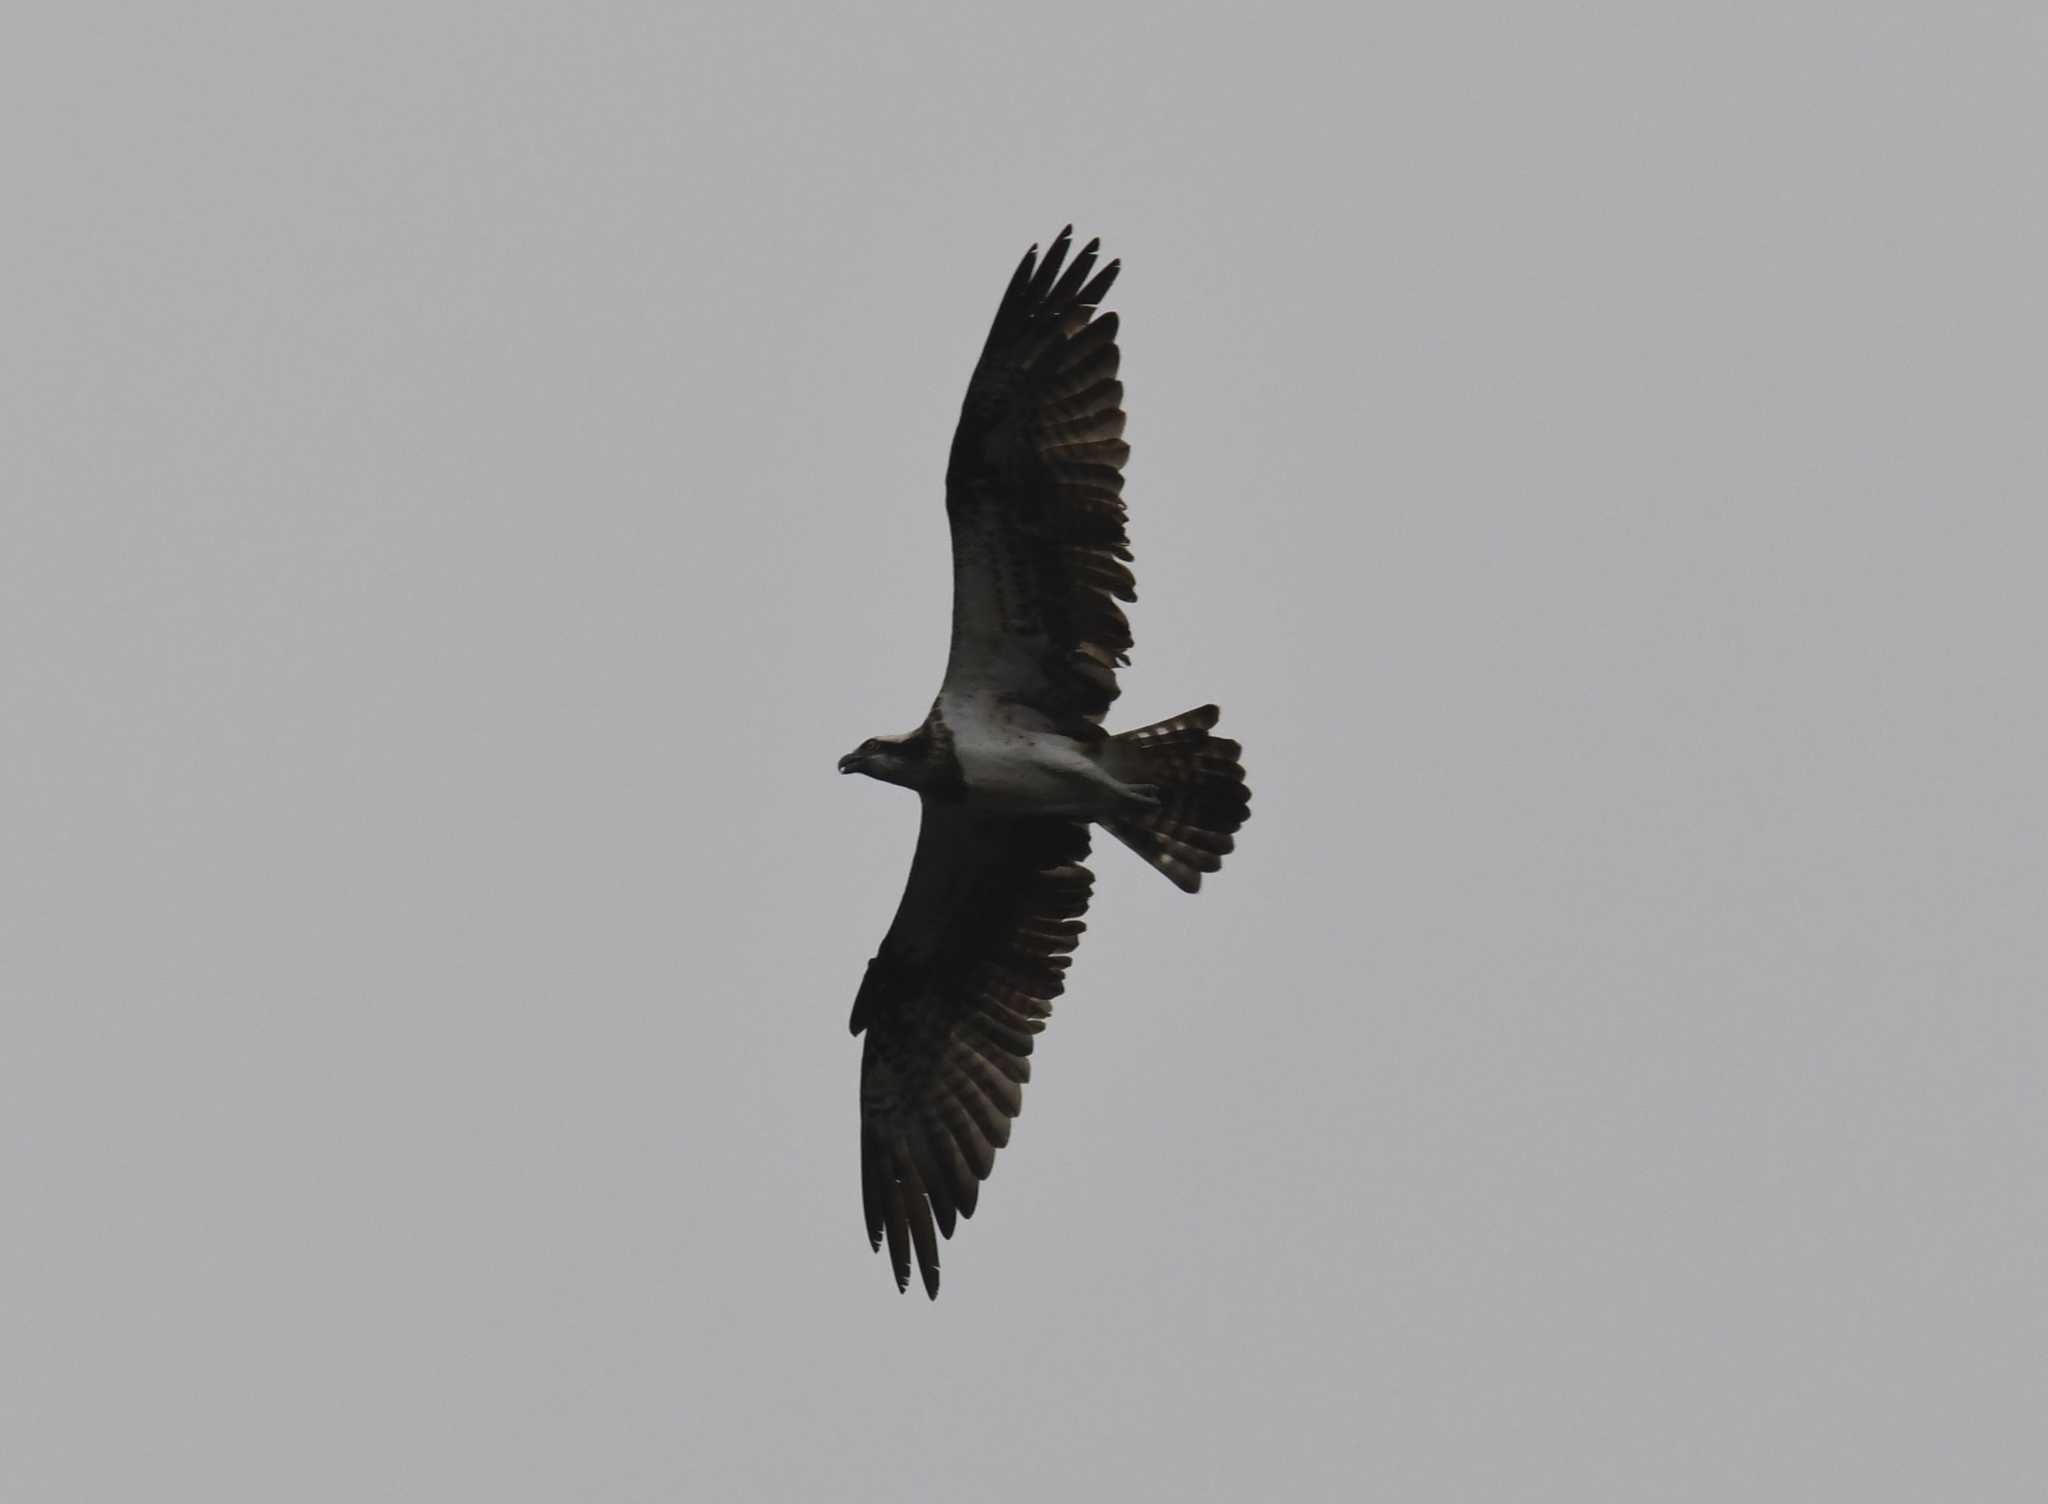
(470, 470)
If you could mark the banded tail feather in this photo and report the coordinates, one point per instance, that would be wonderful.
(1199, 782)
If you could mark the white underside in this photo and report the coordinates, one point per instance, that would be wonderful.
(1012, 767)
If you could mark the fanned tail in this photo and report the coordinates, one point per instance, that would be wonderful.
(1199, 783)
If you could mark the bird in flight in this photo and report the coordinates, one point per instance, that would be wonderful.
(1012, 765)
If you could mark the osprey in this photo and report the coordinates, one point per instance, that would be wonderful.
(1012, 765)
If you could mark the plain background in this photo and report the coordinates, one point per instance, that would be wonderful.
(471, 470)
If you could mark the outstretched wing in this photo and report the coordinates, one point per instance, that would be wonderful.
(1034, 495)
(964, 979)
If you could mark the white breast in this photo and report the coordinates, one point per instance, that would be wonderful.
(1017, 768)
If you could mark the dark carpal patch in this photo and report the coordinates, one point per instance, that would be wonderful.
(948, 779)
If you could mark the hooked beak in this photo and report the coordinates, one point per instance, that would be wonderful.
(850, 763)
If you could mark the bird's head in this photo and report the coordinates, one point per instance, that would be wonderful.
(893, 759)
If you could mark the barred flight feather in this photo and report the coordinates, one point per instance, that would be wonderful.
(951, 1011)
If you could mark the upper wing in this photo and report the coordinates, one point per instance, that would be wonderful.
(964, 979)
(1034, 495)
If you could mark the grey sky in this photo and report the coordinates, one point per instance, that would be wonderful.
(470, 470)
